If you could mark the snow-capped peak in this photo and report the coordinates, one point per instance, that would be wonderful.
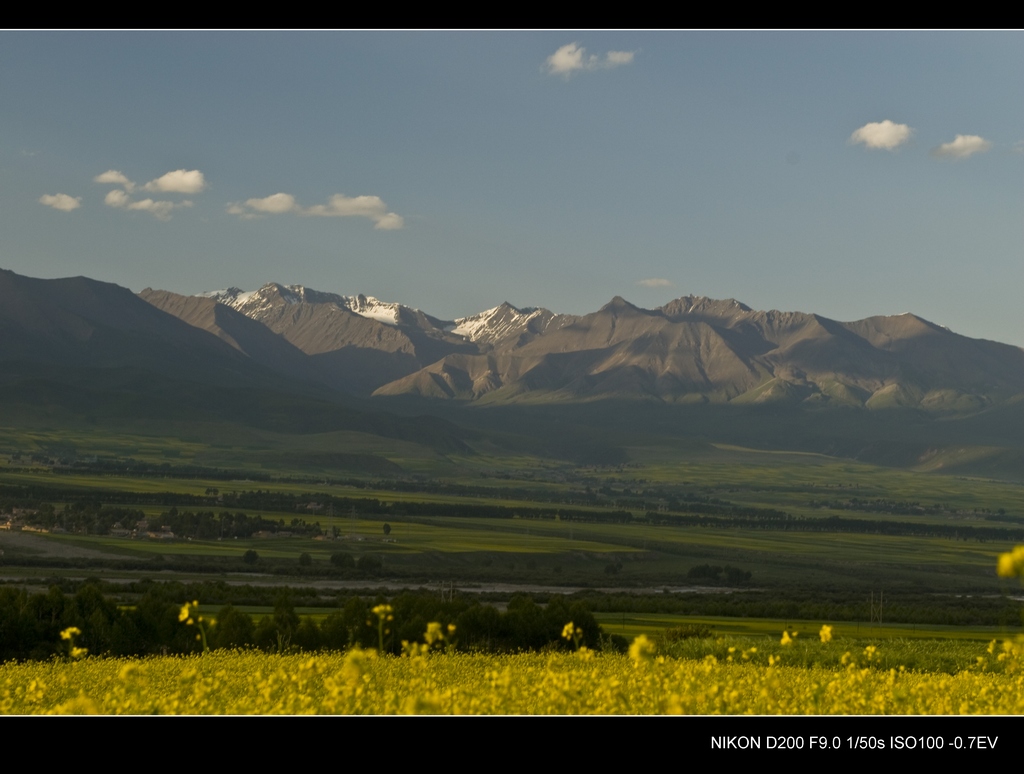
(223, 296)
(252, 303)
(498, 323)
(368, 306)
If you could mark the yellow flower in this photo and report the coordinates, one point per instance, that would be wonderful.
(69, 634)
(786, 639)
(183, 615)
(569, 631)
(641, 649)
(1011, 563)
(433, 633)
(825, 634)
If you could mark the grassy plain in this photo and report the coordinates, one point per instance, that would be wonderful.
(768, 630)
(649, 561)
(646, 554)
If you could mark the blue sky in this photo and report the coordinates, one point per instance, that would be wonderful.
(843, 173)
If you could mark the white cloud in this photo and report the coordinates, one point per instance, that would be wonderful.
(391, 221)
(655, 282)
(61, 201)
(116, 178)
(338, 206)
(572, 57)
(566, 60)
(883, 134)
(179, 181)
(372, 207)
(161, 210)
(963, 146)
(116, 198)
(274, 204)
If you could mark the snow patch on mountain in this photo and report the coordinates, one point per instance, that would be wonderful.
(228, 296)
(254, 302)
(497, 323)
(368, 306)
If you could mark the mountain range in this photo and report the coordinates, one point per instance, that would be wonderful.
(284, 367)
(691, 350)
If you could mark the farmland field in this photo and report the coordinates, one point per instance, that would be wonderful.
(739, 544)
(583, 683)
(728, 527)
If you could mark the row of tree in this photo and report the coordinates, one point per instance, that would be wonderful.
(31, 625)
(84, 511)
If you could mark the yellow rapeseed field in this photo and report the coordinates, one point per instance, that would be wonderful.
(429, 679)
(360, 682)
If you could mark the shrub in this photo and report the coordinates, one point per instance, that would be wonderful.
(369, 563)
(343, 560)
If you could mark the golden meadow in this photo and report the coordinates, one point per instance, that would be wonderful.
(359, 682)
(430, 678)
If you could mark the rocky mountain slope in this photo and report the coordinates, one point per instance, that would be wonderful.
(698, 349)
(691, 350)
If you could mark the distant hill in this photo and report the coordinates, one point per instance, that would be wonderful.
(78, 349)
(691, 350)
(285, 359)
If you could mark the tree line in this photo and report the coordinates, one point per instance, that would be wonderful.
(689, 511)
(31, 624)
